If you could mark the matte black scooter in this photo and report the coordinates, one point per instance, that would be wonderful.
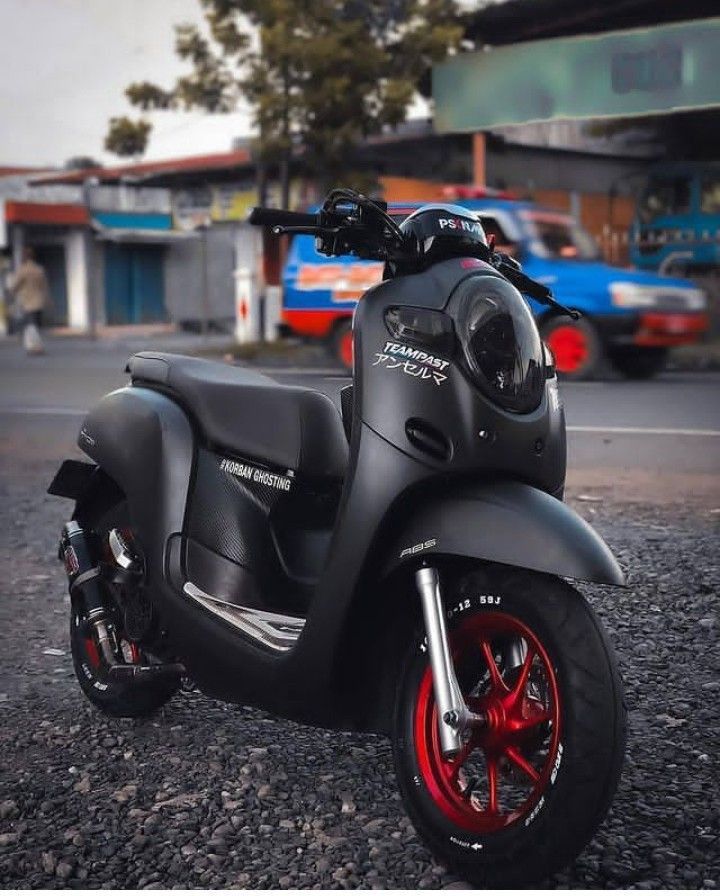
(399, 569)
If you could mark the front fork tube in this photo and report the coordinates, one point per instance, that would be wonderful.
(454, 717)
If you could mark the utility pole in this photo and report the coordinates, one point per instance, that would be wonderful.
(205, 298)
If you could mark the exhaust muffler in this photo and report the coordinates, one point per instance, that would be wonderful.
(83, 574)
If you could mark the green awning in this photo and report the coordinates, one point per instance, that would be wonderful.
(615, 75)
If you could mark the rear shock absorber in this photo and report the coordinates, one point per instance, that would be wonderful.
(83, 574)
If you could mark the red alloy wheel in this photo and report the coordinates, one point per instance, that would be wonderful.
(570, 347)
(345, 348)
(504, 768)
(92, 653)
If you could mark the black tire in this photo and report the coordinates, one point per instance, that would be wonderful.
(118, 699)
(639, 363)
(583, 361)
(590, 741)
(341, 336)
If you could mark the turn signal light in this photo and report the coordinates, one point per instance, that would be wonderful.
(421, 326)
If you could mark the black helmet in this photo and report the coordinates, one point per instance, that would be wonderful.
(445, 231)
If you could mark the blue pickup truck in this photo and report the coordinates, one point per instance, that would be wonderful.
(630, 317)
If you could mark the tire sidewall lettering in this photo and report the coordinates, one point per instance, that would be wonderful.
(459, 839)
(464, 607)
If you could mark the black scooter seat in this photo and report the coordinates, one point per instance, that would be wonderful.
(250, 414)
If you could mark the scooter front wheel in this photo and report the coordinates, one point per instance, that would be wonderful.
(529, 787)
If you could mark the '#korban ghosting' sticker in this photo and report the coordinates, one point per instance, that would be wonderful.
(256, 474)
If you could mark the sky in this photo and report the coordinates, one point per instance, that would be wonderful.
(64, 65)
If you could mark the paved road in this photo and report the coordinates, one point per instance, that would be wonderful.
(649, 440)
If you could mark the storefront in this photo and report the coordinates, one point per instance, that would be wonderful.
(58, 233)
(134, 247)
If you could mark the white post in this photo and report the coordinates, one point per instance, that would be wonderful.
(247, 306)
(4, 273)
(77, 281)
(273, 312)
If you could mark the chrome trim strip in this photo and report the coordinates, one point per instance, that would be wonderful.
(272, 629)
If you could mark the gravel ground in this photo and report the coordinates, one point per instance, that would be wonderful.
(216, 796)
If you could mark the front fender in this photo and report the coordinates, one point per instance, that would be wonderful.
(511, 523)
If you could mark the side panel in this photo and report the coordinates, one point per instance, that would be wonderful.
(510, 523)
(304, 682)
(144, 442)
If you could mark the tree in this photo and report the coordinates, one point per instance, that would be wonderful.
(319, 75)
(78, 163)
(126, 137)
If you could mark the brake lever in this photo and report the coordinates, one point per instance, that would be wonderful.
(563, 309)
(535, 290)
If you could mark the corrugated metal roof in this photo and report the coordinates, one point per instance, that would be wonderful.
(148, 170)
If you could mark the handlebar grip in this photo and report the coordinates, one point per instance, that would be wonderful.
(278, 217)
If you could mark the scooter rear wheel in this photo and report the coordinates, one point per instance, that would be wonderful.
(124, 699)
(528, 790)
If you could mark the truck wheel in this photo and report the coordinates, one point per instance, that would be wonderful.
(575, 345)
(639, 363)
(342, 344)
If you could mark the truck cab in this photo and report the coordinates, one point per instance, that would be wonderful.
(630, 317)
(677, 222)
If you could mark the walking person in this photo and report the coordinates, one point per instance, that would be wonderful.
(30, 288)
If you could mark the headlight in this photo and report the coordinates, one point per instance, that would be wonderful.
(632, 295)
(666, 298)
(695, 298)
(502, 351)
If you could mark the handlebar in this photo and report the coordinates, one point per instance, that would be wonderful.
(350, 223)
(347, 223)
(277, 217)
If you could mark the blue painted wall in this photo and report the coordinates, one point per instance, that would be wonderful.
(134, 220)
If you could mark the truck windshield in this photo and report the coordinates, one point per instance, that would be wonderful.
(559, 236)
(710, 194)
(664, 196)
